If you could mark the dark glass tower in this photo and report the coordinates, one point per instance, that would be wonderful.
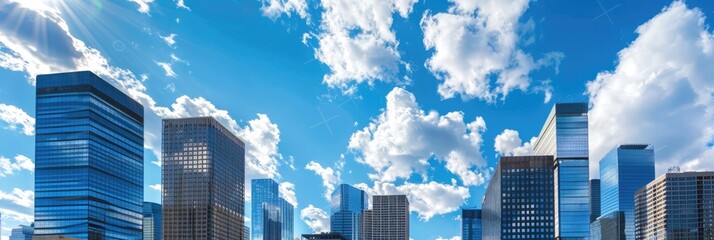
(519, 199)
(471, 224)
(271, 215)
(623, 170)
(89, 153)
(202, 180)
(152, 221)
(347, 204)
(594, 199)
(565, 137)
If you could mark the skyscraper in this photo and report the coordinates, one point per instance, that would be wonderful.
(610, 226)
(676, 206)
(271, 215)
(565, 137)
(519, 199)
(89, 156)
(202, 180)
(152, 221)
(594, 199)
(623, 170)
(22, 232)
(388, 219)
(346, 206)
(471, 224)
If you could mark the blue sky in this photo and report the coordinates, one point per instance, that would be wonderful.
(396, 97)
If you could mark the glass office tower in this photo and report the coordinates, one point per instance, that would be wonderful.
(346, 206)
(203, 177)
(565, 137)
(22, 232)
(610, 226)
(89, 159)
(271, 215)
(623, 170)
(471, 224)
(594, 199)
(152, 221)
(519, 199)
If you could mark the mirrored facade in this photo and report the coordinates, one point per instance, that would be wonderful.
(594, 199)
(471, 224)
(346, 206)
(623, 170)
(272, 215)
(610, 226)
(89, 156)
(152, 221)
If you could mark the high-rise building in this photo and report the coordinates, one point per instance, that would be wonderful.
(324, 236)
(594, 199)
(271, 215)
(610, 226)
(565, 137)
(519, 199)
(623, 170)
(152, 221)
(22, 232)
(89, 159)
(202, 180)
(346, 206)
(471, 224)
(676, 206)
(246, 232)
(388, 219)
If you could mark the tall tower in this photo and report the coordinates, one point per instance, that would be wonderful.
(623, 170)
(152, 221)
(203, 176)
(89, 156)
(271, 215)
(594, 199)
(565, 137)
(388, 219)
(471, 224)
(347, 204)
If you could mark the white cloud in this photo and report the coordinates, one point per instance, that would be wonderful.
(156, 187)
(452, 238)
(143, 5)
(287, 191)
(274, 8)
(182, 4)
(25, 198)
(167, 68)
(169, 39)
(426, 199)
(330, 177)
(402, 139)
(17, 216)
(476, 41)
(659, 93)
(15, 117)
(508, 143)
(8, 167)
(316, 219)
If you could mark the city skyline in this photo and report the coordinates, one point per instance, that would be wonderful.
(391, 97)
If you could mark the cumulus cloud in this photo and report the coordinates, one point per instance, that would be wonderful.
(169, 39)
(156, 187)
(275, 8)
(330, 177)
(182, 4)
(402, 139)
(15, 117)
(659, 93)
(316, 219)
(426, 199)
(287, 191)
(508, 143)
(476, 41)
(25, 198)
(17, 216)
(167, 68)
(143, 5)
(21, 162)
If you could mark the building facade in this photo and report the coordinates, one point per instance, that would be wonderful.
(22, 232)
(594, 199)
(89, 159)
(623, 170)
(610, 226)
(471, 224)
(565, 137)
(271, 215)
(388, 219)
(152, 221)
(202, 180)
(346, 206)
(676, 206)
(519, 202)
(323, 236)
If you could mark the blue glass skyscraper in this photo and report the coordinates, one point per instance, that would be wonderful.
(471, 224)
(89, 151)
(623, 170)
(346, 206)
(152, 221)
(565, 137)
(594, 199)
(271, 215)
